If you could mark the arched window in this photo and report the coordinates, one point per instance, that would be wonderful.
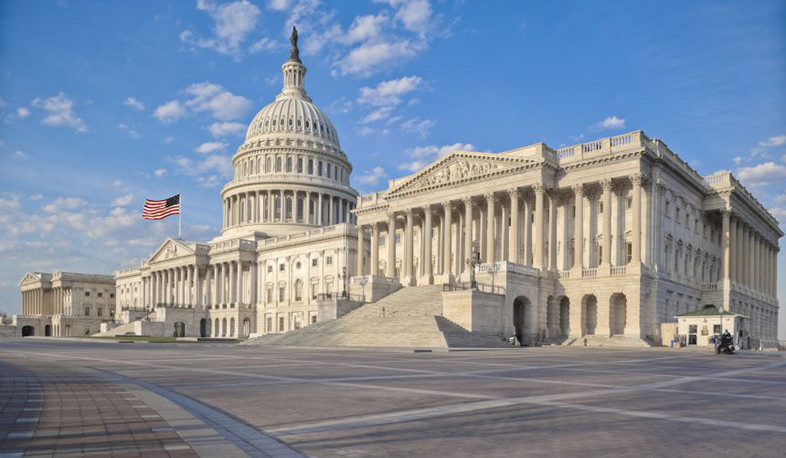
(289, 208)
(298, 290)
(87, 311)
(278, 164)
(300, 209)
(300, 165)
(311, 166)
(277, 209)
(100, 311)
(224, 327)
(289, 163)
(267, 164)
(319, 168)
(328, 169)
(232, 327)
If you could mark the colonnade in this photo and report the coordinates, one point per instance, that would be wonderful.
(219, 283)
(296, 206)
(527, 236)
(33, 302)
(750, 260)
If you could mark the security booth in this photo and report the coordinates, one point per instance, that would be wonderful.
(700, 327)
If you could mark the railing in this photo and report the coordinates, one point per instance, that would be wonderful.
(374, 279)
(589, 272)
(565, 152)
(592, 146)
(619, 270)
(709, 286)
(466, 286)
(505, 266)
(564, 274)
(340, 296)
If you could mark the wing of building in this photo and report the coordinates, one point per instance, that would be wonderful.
(598, 242)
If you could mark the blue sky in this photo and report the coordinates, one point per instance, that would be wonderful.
(106, 103)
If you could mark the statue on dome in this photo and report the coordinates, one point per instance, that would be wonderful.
(294, 53)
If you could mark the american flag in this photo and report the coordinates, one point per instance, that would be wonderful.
(160, 209)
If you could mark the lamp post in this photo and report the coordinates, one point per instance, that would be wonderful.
(363, 281)
(473, 262)
(344, 278)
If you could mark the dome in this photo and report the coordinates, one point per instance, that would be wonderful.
(292, 115)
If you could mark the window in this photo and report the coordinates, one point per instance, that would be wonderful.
(87, 311)
(319, 168)
(600, 207)
(382, 240)
(270, 269)
(329, 260)
(668, 209)
(600, 254)
(398, 239)
(100, 311)
(628, 252)
(269, 294)
(313, 319)
(311, 166)
(314, 290)
(281, 293)
(289, 164)
(314, 262)
(100, 294)
(281, 324)
(87, 293)
(281, 267)
(297, 321)
(297, 265)
(677, 215)
(269, 324)
(329, 287)
(300, 165)
(278, 164)
(716, 329)
(628, 202)
(328, 170)
(298, 290)
(111, 295)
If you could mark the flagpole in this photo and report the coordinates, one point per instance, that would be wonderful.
(180, 219)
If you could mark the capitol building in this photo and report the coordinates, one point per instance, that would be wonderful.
(598, 243)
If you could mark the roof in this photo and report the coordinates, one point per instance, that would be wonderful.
(709, 310)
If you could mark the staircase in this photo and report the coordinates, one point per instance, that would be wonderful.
(411, 318)
(617, 341)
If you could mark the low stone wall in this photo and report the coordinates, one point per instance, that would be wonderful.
(475, 311)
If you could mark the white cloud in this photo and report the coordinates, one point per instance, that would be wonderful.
(159, 172)
(170, 111)
(210, 170)
(232, 23)
(60, 112)
(376, 115)
(225, 129)
(123, 200)
(371, 177)
(22, 112)
(205, 97)
(762, 174)
(125, 128)
(210, 147)
(18, 154)
(134, 103)
(265, 44)
(365, 28)
(168, 140)
(370, 58)
(777, 140)
(418, 126)
(36, 197)
(279, 5)
(424, 155)
(389, 92)
(610, 123)
(415, 14)
(64, 203)
(11, 203)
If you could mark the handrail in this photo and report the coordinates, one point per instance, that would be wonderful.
(482, 287)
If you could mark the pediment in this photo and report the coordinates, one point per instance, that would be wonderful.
(171, 249)
(459, 167)
(29, 278)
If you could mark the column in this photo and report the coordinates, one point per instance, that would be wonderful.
(491, 209)
(607, 189)
(307, 209)
(513, 230)
(527, 260)
(391, 261)
(733, 250)
(319, 211)
(427, 270)
(239, 285)
(467, 232)
(332, 212)
(726, 215)
(553, 196)
(409, 254)
(751, 260)
(374, 268)
(447, 249)
(636, 254)
(361, 243)
(537, 261)
(578, 231)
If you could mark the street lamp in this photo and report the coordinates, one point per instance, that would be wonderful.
(343, 276)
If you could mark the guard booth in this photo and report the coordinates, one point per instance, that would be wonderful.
(698, 328)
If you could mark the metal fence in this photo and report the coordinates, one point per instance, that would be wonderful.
(482, 287)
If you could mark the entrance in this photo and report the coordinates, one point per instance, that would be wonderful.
(48, 330)
(564, 316)
(180, 329)
(590, 314)
(618, 317)
(28, 331)
(520, 309)
(204, 330)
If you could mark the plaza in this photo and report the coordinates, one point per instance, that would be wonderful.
(87, 397)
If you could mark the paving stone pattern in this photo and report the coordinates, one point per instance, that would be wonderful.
(82, 399)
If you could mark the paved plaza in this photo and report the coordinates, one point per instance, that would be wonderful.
(68, 398)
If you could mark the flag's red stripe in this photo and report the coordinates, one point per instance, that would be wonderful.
(161, 211)
(161, 215)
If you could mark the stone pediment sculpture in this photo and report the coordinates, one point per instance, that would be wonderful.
(29, 278)
(171, 249)
(459, 167)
